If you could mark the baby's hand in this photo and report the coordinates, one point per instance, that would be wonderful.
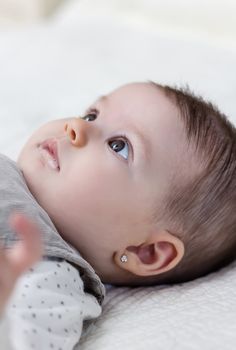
(15, 261)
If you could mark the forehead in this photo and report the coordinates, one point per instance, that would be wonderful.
(141, 104)
(140, 97)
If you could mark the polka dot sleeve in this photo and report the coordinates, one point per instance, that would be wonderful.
(48, 307)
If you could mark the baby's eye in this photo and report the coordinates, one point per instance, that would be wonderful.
(120, 145)
(90, 115)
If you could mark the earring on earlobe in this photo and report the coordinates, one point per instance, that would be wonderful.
(123, 258)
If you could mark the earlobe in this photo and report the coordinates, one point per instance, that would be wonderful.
(160, 253)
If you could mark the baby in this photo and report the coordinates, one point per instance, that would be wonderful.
(142, 186)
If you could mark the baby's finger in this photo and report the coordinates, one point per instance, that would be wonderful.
(7, 279)
(29, 249)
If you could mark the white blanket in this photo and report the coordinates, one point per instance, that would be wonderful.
(56, 69)
(191, 316)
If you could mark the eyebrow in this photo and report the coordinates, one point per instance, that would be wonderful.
(103, 98)
(146, 145)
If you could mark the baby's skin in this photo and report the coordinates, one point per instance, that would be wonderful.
(15, 261)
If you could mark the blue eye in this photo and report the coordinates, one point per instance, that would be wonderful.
(120, 145)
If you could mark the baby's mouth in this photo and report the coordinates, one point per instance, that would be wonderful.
(48, 149)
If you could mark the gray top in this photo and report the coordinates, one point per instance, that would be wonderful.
(15, 196)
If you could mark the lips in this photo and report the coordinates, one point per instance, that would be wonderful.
(49, 150)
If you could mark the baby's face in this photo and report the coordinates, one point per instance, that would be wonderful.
(115, 166)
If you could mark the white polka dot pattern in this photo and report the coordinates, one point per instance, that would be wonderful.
(48, 308)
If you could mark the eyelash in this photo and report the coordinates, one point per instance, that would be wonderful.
(94, 111)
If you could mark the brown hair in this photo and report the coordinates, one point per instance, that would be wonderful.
(204, 207)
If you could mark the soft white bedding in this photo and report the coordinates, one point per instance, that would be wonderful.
(191, 316)
(55, 70)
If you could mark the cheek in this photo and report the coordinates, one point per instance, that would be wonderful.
(94, 189)
(86, 190)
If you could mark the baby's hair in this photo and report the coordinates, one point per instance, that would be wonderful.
(204, 207)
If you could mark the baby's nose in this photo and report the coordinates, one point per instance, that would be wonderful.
(75, 130)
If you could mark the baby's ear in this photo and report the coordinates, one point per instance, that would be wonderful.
(161, 252)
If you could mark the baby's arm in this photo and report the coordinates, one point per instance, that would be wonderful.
(13, 262)
(48, 307)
